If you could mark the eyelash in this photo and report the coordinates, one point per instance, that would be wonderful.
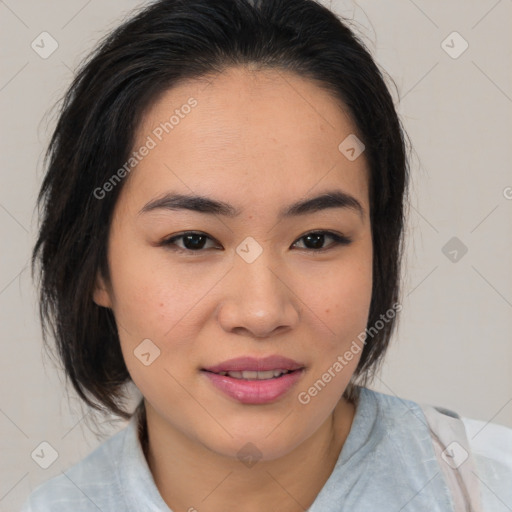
(338, 240)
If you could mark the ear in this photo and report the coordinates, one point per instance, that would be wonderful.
(101, 295)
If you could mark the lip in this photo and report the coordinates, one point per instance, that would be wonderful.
(255, 392)
(241, 364)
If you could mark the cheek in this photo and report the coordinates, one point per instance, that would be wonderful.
(151, 295)
(149, 309)
(343, 306)
(340, 298)
(157, 301)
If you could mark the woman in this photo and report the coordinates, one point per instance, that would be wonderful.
(222, 222)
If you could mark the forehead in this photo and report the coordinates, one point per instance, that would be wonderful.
(249, 132)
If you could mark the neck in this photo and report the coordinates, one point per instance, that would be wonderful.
(189, 476)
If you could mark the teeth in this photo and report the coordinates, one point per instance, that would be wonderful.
(251, 375)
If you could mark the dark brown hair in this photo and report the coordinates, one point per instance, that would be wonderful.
(167, 42)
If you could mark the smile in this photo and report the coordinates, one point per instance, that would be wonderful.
(254, 375)
(252, 381)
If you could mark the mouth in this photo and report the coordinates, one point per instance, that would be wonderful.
(255, 381)
(255, 375)
(258, 366)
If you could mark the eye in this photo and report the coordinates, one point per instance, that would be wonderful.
(315, 240)
(192, 241)
(195, 241)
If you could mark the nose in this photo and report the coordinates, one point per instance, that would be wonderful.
(258, 299)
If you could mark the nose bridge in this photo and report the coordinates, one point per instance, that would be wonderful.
(256, 270)
(257, 298)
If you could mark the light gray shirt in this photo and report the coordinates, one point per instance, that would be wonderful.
(387, 464)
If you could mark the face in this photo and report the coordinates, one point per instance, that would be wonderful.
(283, 290)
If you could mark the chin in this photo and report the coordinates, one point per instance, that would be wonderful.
(249, 445)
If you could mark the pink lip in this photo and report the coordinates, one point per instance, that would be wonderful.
(241, 364)
(255, 391)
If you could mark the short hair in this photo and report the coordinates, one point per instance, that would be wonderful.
(161, 45)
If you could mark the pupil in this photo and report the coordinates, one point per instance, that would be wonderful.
(190, 241)
(319, 238)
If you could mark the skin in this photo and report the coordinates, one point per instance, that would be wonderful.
(258, 140)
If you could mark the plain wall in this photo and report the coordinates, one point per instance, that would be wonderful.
(453, 346)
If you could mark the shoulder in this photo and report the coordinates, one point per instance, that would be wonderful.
(490, 440)
(391, 410)
(487, 439)
(489, 445)
(91, 484)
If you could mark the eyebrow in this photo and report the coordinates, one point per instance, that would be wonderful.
(202, 204)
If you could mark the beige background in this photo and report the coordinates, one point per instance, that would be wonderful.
(453, 347)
